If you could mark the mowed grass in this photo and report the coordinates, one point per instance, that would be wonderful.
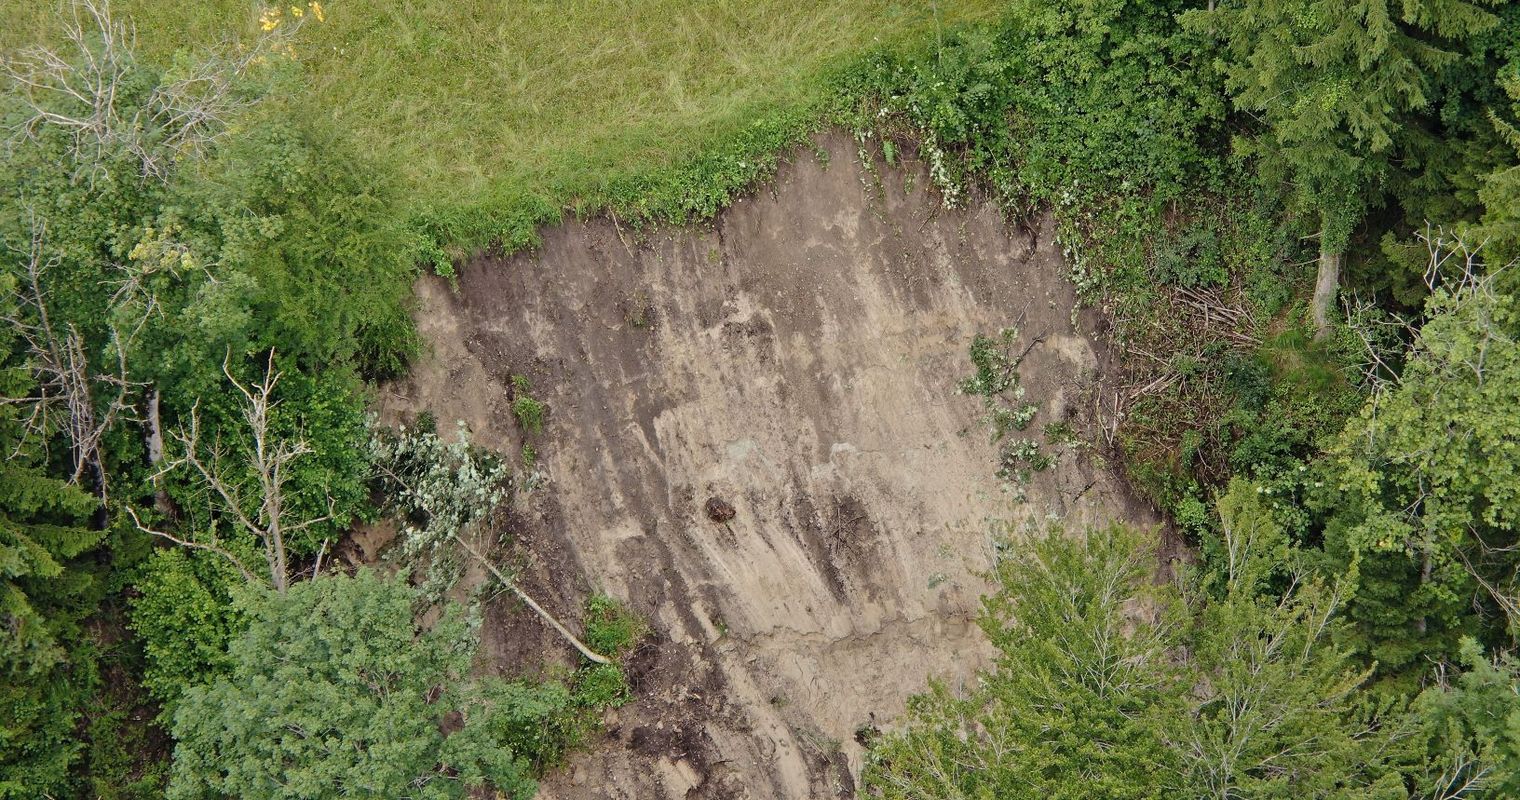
(477, 103)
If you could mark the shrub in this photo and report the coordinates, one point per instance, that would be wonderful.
(611, 627)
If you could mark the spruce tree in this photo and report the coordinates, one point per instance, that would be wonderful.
(45, 593)
(1337, 83)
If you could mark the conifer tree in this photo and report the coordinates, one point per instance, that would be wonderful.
(336, 692)
(1336, 83)
(44, 595)
(1500, 192)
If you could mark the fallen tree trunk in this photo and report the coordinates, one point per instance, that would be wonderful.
(537, 609)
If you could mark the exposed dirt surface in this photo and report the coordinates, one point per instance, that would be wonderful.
(796, 361)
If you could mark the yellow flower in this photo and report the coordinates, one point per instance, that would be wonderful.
(270, 19)
(316, 11)
(295, 11)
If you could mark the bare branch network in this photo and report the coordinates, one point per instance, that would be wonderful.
(84, 89)
(257, 508)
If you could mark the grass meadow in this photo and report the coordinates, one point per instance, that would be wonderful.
(480, 104)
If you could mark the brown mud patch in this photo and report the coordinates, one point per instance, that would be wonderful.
(797, 360)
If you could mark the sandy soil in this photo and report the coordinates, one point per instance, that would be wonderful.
(796, 359)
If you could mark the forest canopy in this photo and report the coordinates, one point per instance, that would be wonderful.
(1300, 220)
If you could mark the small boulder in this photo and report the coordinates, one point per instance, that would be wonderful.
(718, 510)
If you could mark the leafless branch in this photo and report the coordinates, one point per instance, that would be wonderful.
(1447, 251)
(268, 461)
(212, 546)
(89, 397)
(1377, 332)
(79, 89)
(530, 603)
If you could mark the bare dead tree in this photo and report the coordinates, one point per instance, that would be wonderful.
(1453, 260)
(87, 399)
(258, 507)
(83, 90)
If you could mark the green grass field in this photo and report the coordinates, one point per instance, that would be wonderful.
(479, 104)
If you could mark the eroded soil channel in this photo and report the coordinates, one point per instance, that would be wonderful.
(796, 360)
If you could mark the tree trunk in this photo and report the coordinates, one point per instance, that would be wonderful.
(1421, 624)
(538, 609)
(155, 442)
(1324, 289)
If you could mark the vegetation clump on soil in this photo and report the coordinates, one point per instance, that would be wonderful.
(1297, 217)
(996, 381)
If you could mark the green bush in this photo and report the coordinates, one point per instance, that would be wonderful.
(601, 686)
(529, 413)
(542, 722)
(612, 629)
(184, 617)
(1061, 99)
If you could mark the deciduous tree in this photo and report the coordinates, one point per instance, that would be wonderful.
(1423, 494)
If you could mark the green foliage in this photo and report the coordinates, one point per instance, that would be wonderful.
(125, 757)
(274, 237)
(127, 752)
(324, 409)
(441, 489)
(308, 237)
(1106, 685)
(612, 629)
(40, 522)
(601, 686)
(996, 367)
(528, 411)
(1061, 99)
(47, 589)
(1019, 459)
(996, 381)
(540, 722)
(1499, 191)
(1473, 725)
(340, 659)
(1069, 692)
(1192, 257)
(184, 616)
(1336, 85)
(1423, 489)
(1277, 710)
(46, 660)
(1259, 412)
(280, 237)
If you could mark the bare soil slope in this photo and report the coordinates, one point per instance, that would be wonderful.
(797, 359)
